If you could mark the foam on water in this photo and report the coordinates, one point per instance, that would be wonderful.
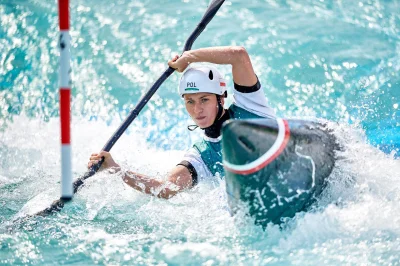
(337, 60)
(355, 221)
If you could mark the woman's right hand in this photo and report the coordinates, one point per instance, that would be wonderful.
(108, 160)
(180, 63)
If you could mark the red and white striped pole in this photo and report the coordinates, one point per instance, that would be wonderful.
(65, 95)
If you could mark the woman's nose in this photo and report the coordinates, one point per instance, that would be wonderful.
(197, 108)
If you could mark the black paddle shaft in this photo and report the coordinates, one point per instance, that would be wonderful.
(207, 17)
(209, 14)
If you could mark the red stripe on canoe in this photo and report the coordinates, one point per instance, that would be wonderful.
(269, 159)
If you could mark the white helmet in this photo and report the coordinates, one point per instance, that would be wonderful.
(202, 79)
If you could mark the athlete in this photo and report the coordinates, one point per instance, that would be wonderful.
(203, 90)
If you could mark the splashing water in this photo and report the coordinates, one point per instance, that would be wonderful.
(337, 60)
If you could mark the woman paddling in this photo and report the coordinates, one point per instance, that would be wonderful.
(203, 90)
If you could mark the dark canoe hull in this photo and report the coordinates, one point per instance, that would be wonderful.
(276, 168)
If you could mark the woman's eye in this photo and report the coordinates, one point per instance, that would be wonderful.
(189, 102)
(204, 100)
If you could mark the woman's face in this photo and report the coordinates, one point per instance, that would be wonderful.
(202, 107)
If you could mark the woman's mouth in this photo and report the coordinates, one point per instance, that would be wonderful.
(200, 118)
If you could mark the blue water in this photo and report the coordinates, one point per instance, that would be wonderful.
(338, 60)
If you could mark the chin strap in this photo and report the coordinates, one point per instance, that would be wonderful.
(192, 127)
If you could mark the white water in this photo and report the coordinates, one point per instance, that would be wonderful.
(330, 59)
(356, 221)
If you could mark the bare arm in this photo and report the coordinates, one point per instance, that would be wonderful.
(179, 178)
(237, 56)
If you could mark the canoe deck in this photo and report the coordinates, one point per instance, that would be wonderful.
(276, 167)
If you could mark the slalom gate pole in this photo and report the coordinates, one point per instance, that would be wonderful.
(58, 205)
(65, 100)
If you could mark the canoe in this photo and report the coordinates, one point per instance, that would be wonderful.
(276, 168)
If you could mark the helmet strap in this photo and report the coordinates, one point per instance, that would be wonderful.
(192, 127)
(214, 131)
(220, 109)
